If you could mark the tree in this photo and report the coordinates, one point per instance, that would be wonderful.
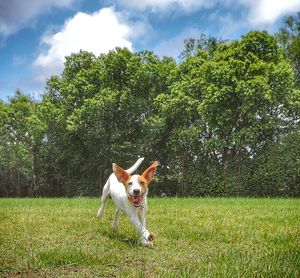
(277, 168)
(288, 38)
(21, 133)
(204, 42)
(97, 109)
(224, 110)
(223, 121)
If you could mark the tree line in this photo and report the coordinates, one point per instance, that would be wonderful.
(222, 121)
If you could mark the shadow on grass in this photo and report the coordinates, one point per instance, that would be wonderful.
(120, 237)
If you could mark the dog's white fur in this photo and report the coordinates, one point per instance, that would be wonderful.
(122, 193)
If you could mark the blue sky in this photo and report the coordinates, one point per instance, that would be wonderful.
(36, 35)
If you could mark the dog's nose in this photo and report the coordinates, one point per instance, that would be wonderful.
(136, 191)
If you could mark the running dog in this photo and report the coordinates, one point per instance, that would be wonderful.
(129, 193)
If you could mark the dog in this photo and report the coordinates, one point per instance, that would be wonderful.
(129, 193)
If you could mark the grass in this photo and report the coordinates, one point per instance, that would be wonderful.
(211, 237)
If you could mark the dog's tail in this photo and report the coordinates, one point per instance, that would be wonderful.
(135, 165)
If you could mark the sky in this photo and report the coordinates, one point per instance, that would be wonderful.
(36, 35)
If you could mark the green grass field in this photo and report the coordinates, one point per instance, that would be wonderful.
(194, 238)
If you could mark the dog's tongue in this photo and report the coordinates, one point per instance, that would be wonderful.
(136, 200)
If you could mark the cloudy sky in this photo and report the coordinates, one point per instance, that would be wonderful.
(36, 35)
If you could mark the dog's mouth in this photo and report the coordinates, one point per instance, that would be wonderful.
(137, 200)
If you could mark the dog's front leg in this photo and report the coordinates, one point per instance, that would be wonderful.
(146, 237)
(142, 215)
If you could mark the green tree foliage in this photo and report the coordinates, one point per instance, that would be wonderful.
(288, 38)
(21, 135)
(222, 112)
(95, 111)
(204, 42)
(223, 121)
(277, 168)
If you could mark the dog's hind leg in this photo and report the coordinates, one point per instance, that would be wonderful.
(115, 223)
(104, 197)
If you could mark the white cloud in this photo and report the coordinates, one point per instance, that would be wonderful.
(16, 14)
(259, 12)
(165, 5)
(254, 13)
(269, 11)
(98, 33)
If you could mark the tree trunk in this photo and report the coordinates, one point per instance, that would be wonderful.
(183, 183)
(34, 185)
(18, 180)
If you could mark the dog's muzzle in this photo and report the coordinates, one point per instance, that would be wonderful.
(137, 200)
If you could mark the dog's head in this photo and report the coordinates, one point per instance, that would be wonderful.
(136, 185)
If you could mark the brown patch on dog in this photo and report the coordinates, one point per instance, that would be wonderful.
(151, 237)
(121, 174)
(149, 172)
(143, 183)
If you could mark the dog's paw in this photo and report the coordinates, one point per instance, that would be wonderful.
(147, 243)
(151, 237)
(98, 214)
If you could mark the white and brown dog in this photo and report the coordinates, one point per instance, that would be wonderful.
(129, 193)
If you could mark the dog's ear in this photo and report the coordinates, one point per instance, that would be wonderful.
(120, 173)
(149, 172)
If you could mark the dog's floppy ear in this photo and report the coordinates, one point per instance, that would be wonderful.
(149, 172)
(120, 173)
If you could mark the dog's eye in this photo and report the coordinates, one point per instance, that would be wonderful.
(142, 183)
(130, 183)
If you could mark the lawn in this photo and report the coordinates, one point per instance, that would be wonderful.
(207, 237)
